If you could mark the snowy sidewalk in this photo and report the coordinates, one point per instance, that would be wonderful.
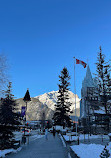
(42, 148)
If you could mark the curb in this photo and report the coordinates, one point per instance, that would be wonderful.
(70, 151)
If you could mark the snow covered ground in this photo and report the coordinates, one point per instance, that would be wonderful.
(34, 135)
(81, 137)
(88, 150)
(7, 151)
(18, 136)
(62, 140)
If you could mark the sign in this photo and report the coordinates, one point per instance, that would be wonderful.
(23, 110)
(91, 94)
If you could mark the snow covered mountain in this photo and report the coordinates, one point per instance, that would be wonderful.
(34, 109)
(50, 100)
(45, 103)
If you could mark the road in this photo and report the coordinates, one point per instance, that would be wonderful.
(42, 148)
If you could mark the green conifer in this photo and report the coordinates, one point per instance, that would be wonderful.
(62, 112)
(9, 120)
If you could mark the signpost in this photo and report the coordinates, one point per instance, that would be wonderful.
(23, 111)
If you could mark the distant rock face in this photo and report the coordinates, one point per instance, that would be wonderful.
(34, 109)
(50, 99)
(45, 103)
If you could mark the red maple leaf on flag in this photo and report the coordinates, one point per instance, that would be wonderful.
(81, 62)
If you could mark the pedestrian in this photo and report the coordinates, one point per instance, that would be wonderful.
(54, 131)
(40, 130)
(46, 133)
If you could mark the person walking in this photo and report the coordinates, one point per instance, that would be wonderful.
(46, 133)
(54, 131)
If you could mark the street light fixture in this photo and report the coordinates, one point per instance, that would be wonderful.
(26, 100)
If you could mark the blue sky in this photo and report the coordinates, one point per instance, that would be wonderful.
(40, 37)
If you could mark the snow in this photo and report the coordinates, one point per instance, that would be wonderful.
(100, 111)
(81, 137)
(18, 137)
(109, 134)
(62, 140)
(67, 138)
(57, 127)
(88, 150)
(7, 151)
(50, 99)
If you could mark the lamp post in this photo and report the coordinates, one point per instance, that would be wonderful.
(26, 100)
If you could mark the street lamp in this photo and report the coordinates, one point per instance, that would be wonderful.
(26, 100)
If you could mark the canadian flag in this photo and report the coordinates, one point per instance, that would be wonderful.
(81, 62)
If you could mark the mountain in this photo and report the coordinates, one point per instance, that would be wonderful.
(50, 100)
(45, 103)
(34, 109)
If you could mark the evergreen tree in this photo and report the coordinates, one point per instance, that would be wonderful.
(104, 81)
(9, 120)
(105, 153)
(103, 90)
(27, 96)
(62, 112)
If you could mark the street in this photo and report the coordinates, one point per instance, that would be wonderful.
(42, 148)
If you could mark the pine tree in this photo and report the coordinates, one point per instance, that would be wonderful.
(104, 86)
(105, 153)
(27, 96)
(9, 120)
(62, 112)
(104, 81)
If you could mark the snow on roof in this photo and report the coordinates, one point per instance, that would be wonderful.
(109, 101)
(100, 111)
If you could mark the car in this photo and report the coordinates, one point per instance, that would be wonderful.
(27, 132)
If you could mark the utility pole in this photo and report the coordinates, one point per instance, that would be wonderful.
(75, 95)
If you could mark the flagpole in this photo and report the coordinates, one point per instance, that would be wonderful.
(75, 95)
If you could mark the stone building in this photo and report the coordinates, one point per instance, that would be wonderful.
(92, 116)
(87, 82)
